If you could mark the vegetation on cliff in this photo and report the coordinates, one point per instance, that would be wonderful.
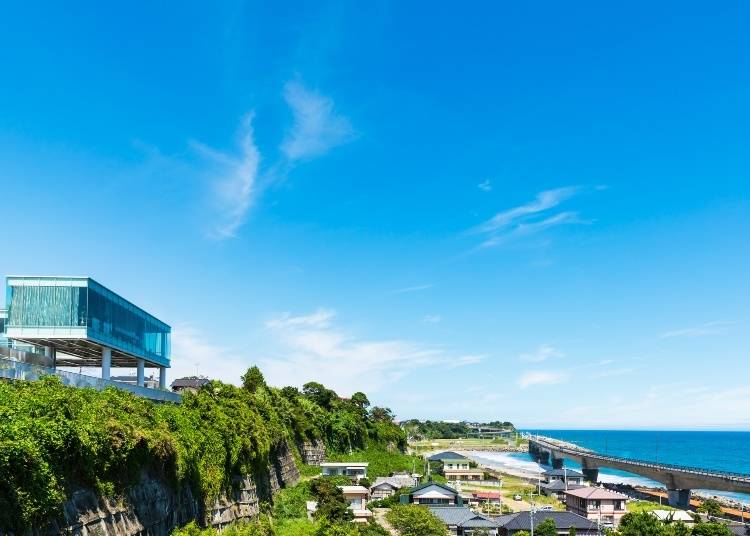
(55, 439)
(445, 430)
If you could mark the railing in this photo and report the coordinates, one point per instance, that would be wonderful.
(743, 477)
(16, 370)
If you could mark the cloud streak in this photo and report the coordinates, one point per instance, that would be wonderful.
(717, 327)
(530, 218)
(415, 288)
(234, 185)
(313, 347)
(543, 353)
(531, 378)
(317, 126)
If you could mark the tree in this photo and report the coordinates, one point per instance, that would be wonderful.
(360, 399)
(572, 531)
(546, 528)
(381, 414)
(332, 505)
(712, 507)
(290, 393)
(640, 524)
(413, 520)
(253, 379)
(711, 529)
(319, 394)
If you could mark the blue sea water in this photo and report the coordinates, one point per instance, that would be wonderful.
(723, 451)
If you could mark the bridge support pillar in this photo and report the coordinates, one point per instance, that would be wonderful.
(679, 498)
(543, 457)
(557, 463)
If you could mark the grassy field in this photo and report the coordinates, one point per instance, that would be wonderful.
(427, 445)
(645, 506)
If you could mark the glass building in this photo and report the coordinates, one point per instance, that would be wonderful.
(83, 324)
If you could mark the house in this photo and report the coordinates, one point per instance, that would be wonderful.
(486, 497)
(564, 521)
(386, 486)
(463, 522)
(557, 488)
(189, 383)
(150, 382)
(463, 474)
(598, 504)
(357, 497)
(434, 494)
(354, 470)
(451, 460)
(673, 515)
(565, 475)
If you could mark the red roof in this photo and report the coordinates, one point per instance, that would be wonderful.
(486, 495)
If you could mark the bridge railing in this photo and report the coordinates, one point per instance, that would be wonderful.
(643, 463)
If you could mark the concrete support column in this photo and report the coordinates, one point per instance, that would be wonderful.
(557, 463)
(679, 498)
(141, 364)
(592, 475)
(106, 363)
(543, 457)
(162, 377)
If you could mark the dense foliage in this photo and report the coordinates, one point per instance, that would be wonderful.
(444, 430)
(413, 520)
(645, 524)
(54, 439)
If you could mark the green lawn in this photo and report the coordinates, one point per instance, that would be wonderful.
(646, 506)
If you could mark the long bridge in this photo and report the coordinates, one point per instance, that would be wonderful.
(678, 480)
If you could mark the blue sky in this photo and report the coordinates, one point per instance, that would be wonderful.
(529, 212)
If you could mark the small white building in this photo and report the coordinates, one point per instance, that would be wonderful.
(354, 470)
(387, 486)
(357, 497)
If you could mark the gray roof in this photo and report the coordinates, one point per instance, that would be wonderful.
(739, 529)
(190, 381)
(563, 472)
(559, 485)
(447, 455)
(459, 516)
(433, 483)
(396, 482)
(563, 520)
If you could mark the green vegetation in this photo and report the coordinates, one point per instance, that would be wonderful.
(645, 506)
(645, 524)
(711, 507)
(55, 439)
(382, 462)
(421, 430)
(413, 520)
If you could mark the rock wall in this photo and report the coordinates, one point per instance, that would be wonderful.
(153, 508)
(313, 452)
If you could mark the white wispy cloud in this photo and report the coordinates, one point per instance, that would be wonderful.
(312, 347)
(544, 352)
(194, 353)
(485, 185)
(542, 377)
(317, 126)
(415, 288)
(717, 327)
(234, 179)
(432, 319)
(530, 218)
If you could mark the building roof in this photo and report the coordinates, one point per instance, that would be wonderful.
(352, 490)
(590, 492)
(190, 381)
(458, 516)
(674, 515)
(487, 495)
(431, 483)
(563, 520)
(559, 485)
(563, 473)
(396, 481)
(344, 464)
(739, 529)
(447, 455)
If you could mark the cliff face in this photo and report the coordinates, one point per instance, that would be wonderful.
(152, 507)
(313, 452)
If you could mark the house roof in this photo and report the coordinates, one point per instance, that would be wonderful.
(674, 515)
(395, 482)
(559, 485)
(563, 473)
(190, 381)
(462, 517)
(563, 520)
(590, 492)
(487, 495)
(447, 455)
(354, 490)
(417, 489)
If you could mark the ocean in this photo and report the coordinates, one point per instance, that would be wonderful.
(723, 451)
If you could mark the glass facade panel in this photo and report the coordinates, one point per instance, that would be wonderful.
(114, 321)
(46, 306)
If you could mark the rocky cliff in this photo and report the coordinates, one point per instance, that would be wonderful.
(153, 507)
(313, 452)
